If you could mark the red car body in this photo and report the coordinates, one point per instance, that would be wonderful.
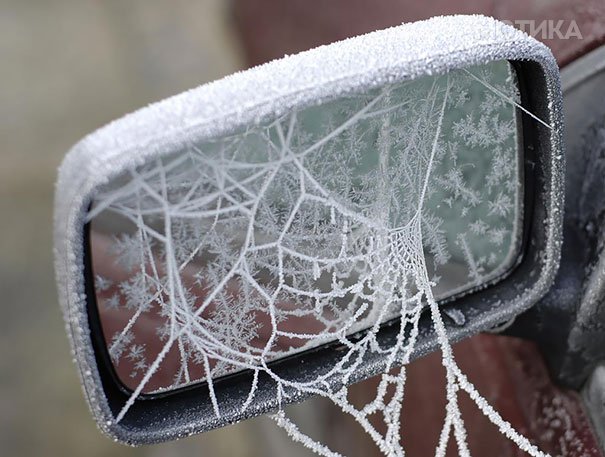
(509, 372)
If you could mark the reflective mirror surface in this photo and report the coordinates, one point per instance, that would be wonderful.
(304, 229)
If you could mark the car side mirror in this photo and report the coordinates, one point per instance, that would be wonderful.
(283, 230)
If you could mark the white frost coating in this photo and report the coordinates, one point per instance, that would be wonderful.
(309, 221)
(315, 231)
(273, 90)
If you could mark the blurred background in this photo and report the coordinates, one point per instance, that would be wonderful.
(67, 68)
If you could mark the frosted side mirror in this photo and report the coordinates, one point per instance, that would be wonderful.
(223, 251)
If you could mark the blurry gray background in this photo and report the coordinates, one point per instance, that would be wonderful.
(67, 68)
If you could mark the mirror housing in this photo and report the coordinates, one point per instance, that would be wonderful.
(402, 53)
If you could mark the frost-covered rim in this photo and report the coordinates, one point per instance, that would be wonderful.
(408, 51)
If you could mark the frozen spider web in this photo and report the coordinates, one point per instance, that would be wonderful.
(316, 227)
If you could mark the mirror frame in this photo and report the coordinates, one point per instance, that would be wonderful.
(447, 43)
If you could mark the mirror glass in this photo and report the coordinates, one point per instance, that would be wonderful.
(296, 231)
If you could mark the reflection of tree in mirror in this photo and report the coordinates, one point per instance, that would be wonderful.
(307, 228)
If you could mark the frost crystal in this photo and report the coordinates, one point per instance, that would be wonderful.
(307, 228)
